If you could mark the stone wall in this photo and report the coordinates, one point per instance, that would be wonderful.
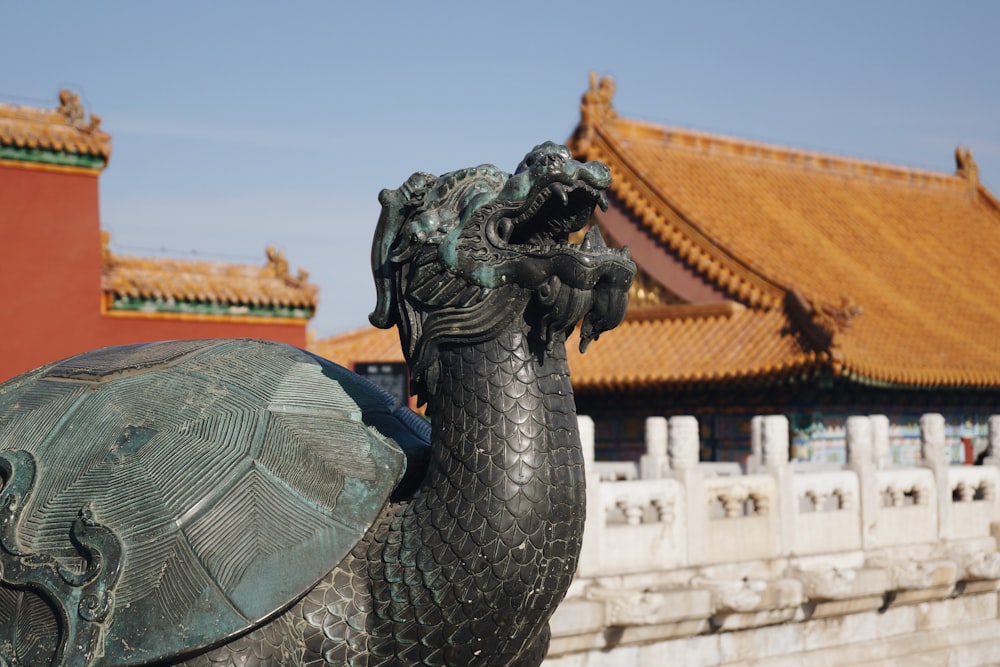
(695, 564)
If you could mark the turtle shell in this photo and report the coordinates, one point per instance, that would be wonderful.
(234, 474)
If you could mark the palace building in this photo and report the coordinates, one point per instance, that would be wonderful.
(778, 280)
(63, 291)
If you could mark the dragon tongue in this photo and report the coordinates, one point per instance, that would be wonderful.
(593, 240)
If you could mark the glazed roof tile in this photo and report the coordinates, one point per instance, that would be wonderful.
(705, 343)
(895, 271)
(65, 129)
(201, 281)
(716, 342)
(360, 345)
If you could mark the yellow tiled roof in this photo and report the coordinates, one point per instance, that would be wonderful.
(670, 345)
(364, 344)
(63, 130)
(746, 344)
(198, 281)
(893, 272)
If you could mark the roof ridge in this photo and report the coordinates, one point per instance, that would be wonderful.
(738, 147)
(154, 259)
(695, 248)
(70, 112)
(25, 112)
(596, 109)
(276, 266)
(131, 277)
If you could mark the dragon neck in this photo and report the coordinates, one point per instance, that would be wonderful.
(505, 487)
(505, 407)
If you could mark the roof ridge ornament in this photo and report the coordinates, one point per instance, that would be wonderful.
(596, 102)
(595, 107)
(966, 167)
(277, 265)
(72, 110)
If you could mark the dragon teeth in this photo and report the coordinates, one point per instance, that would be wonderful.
(560, 189)
(602, 201)
(593, 240)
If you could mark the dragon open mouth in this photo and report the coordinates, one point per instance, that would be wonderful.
(462, 255)
(531, 240)
(539, 229)
(549, 216)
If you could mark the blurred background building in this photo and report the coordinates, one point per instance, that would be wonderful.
(63, 291)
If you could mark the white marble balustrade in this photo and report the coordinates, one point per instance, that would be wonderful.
(694, 560)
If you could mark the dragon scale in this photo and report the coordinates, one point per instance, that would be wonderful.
(471, 568)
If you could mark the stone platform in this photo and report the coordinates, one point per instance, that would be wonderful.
(702, 565)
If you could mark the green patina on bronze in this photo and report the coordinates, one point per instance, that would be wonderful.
(230, 475)
(60, 158)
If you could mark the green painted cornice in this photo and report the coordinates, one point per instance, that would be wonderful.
(207, 308)
(60, 158)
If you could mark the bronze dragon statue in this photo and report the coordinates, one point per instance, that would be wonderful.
(245, 504)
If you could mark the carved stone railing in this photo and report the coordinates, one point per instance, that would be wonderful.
(827, 517)
(973, 492)
(649, 513)
(907, 507)
(743, 509)
(683, 551)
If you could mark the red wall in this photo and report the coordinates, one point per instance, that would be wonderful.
(50, 275)
(120, 330)
(50, 278)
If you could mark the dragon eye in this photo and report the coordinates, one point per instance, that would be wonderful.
(554, 160)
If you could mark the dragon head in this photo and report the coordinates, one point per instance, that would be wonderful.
(459, 257)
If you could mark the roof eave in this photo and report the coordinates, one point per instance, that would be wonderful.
(592, 140)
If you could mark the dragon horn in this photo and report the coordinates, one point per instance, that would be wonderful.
(390, 222)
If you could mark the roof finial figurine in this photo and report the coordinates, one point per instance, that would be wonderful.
(966, 166)
(249, 504)
(277, 262)
(595, 105)
(71, 108)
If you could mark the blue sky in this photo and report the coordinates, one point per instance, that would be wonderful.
(240, 124)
